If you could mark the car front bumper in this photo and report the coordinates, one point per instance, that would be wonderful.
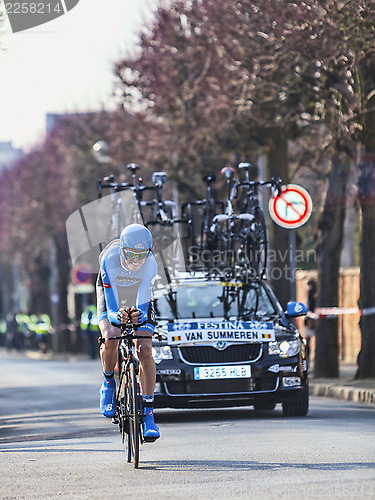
(272, 381)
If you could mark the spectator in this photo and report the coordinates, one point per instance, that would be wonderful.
(12, 331)
(43, 331)
(90, 330)
(310, 319)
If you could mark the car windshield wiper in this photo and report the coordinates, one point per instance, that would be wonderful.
(268, 316)
(248, 315)
(253, 314)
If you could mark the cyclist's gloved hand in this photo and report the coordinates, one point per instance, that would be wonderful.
(134, 315)
(123, 315)
(142, 318)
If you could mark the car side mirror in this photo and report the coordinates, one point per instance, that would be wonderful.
(294, 309)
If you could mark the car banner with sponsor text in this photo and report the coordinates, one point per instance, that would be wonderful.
(213, 331)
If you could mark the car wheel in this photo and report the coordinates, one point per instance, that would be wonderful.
(297, 407)
(264, 405)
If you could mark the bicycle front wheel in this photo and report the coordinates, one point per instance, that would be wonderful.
(133, 399)
(121, 396)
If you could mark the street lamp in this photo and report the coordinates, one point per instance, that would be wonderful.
(101, 152)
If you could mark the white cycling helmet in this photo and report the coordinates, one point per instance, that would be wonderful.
(136, 237)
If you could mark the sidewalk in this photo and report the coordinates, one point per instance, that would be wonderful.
(345, 387)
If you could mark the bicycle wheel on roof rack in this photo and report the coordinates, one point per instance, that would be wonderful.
(257, 245)
(189, 237)
(207, 241)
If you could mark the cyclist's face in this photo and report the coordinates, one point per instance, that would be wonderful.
(135, 258)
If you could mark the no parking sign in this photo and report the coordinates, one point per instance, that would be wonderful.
(292, 208)
(82, 274)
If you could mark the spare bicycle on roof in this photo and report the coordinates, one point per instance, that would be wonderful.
(224, 234)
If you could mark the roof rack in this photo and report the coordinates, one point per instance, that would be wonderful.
(237, 273)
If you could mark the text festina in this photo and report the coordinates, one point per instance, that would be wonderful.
(204, 331)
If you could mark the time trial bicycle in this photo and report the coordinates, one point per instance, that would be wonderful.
(129, 405)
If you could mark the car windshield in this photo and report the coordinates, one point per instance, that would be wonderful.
(214, 300)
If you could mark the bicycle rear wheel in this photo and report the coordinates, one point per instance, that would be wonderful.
(133, 399)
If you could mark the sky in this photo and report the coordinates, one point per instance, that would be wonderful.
(64, 65)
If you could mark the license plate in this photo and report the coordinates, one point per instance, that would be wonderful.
(218, 372)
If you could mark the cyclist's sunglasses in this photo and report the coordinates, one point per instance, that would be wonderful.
(133, 255)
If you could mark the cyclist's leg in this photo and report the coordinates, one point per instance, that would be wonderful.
(147, 369)
(108, 350)
(147, 374)
(108, 354)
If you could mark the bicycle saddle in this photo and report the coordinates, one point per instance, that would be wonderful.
(244, 164)
(221, 217)
(159, 178)
(208, 178)
(228, 172)
(133, 167)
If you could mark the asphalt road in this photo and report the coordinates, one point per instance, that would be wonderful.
(54, 444)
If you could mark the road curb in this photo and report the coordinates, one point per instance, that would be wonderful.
(346, 393)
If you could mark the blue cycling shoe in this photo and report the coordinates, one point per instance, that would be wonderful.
(108, 397)
(149, 428)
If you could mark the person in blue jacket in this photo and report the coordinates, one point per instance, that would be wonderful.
(127, 273)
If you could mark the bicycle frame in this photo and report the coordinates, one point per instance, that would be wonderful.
(204, 238)
(162, 211)
(252, 188)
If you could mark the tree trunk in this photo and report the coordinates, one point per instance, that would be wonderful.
(279, 251)
(366, 187)
(63, 264)
(331, 227)
(6, 289)
(39, 286)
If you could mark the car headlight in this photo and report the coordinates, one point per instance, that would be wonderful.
(285, 348)
(161, 352)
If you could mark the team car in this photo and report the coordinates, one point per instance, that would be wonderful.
(227, 343)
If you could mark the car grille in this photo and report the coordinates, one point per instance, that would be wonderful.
(199, 387)
(210, 355)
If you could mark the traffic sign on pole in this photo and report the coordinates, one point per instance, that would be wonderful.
(292, 208)
(82, 274)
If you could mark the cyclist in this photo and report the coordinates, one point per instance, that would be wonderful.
(127, 272)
